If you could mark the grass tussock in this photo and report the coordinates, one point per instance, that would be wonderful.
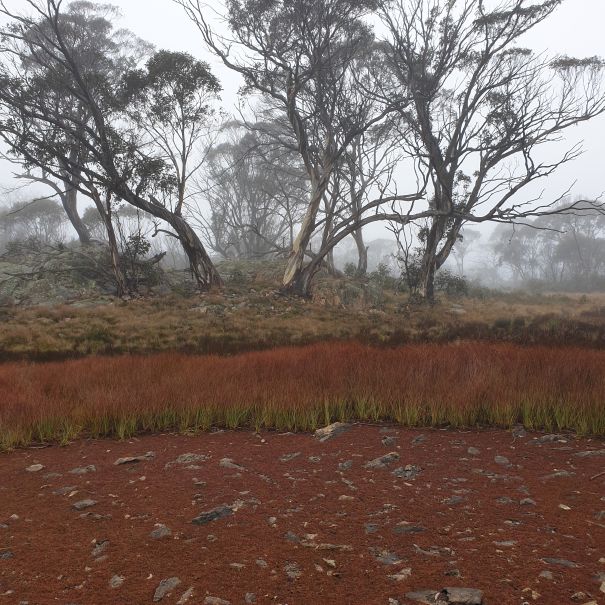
(465, 384)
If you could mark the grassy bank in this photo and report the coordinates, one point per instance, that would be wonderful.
(465, 384)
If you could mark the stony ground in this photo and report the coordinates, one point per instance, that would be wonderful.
(373, 515)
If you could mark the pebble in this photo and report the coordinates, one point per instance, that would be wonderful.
(34, 468)
(502, 460)
(215, 601)
(473, 451)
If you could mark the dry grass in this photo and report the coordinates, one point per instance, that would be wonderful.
(466, 384)
(253, 319)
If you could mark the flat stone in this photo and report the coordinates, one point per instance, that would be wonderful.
(220, 512)
(84, 504)
(448, 596)
(187, 596)
(548, 439)
(382, 461)
(165, 588)
(35, 468)
(502, 460)
(590, 454)
(135, 459)
(473, 451)
(185, 459)
(345, 466)
(84, 470)
(63, 491)
(288, 457)
(160, 532)
(6, 555)
(331, 431)
(559, 475)
(215, 601)
(228, 463)
(559, 562)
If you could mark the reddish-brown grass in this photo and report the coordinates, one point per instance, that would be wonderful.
(464, 384)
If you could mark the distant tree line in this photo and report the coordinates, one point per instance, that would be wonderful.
(436, 124)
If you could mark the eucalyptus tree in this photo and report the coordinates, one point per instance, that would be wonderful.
(305, 56)
(482, 109)
(255, 192)
(114, 162)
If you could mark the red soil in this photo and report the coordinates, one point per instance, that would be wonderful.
(496, 546)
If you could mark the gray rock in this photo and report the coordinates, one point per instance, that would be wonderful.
(187, 459)
(418, 440)
(288, 457)
(84, 504)
(165, 588)
(559, 475)
(63, 491)
(215, 601)
(410, 471)
(6, 555)
(187, 596)
(590, 454)
(100, 547)
(34, 468)
(389, 441)
(160, 532)
(84, 470)
(560, 562)
(519, 432)
(116, 581)
(502, 460)
(292, 537)
(345, 466)
(220, 512)
(406, 528)
(250, 598)
(528, 502)
(135, 459)
(228, 463)
(293, 571)
(547, 575)
(448, 596)
(331, 431)
(382, 461)
(548, 439)
(473, 451)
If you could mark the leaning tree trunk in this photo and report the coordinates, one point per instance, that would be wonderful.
(200, 263)
(70, 203)
(296, 279)
(362, 251)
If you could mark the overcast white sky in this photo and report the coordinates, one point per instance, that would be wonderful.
(575, 29)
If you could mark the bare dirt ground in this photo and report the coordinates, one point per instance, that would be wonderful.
(284, 518)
